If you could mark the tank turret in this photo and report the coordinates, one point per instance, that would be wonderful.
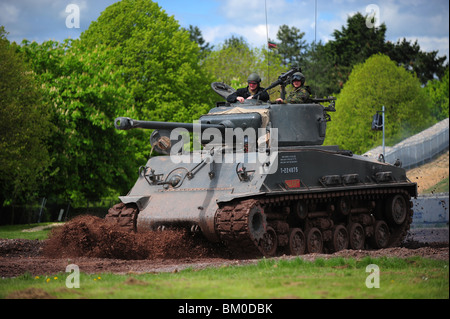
(295, 124)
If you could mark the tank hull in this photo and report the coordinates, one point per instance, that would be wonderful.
(198, 191)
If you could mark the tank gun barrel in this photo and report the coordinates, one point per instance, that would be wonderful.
(126, 123)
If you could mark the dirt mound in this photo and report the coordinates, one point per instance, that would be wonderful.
(90, 236)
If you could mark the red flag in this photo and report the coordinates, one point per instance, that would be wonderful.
(272, 45)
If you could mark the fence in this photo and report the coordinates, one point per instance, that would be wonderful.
(417, 149)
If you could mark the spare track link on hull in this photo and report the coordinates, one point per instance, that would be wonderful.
(239, 229)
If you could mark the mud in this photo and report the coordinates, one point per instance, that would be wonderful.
(89, 236)
(98, 247)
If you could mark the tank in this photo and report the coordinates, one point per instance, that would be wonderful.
(260, 180)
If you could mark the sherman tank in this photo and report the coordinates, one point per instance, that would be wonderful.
(260, 180)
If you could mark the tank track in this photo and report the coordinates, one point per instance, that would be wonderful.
(234, 224)
(123, 216)
(322, 222)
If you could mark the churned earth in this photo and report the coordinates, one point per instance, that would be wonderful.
(98, 247)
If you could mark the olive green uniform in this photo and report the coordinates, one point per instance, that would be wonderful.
(298, 95)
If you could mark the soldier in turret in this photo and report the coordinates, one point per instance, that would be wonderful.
(300, 94)
(248, 92)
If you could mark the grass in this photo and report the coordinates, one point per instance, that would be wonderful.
(335, 278)
(17, 231)
(441, 187)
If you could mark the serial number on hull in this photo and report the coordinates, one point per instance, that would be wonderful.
(288, 170)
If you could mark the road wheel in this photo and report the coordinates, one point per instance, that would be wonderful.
(339, 241)
(356, 236)
(396, 209)
(314, 241)
(269, 242)
(381, 235)
(297, 242)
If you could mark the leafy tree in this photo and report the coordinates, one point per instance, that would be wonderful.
(160, 63)
(322, 75)
(238, 43)
(426, 65)
(355, 42)
(195, 35)
(438, 91)
(86, 91)
(133, 61)
(233, 61)
(291, 47)
(24, 127)
(377, 82)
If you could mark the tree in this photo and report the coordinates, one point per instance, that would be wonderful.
(233, 61)
(238, 43)
(160, 63)
(291, 47)
(322, 74)
(133, 61)
(195, 35)
(426, 65)
(377, 82)
(86, 92)
(24, 127)
(438, 91)
(355, 42)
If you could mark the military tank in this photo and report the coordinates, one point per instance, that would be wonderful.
(261, 181)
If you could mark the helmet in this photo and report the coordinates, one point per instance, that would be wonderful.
(254, 77)
(298, 76)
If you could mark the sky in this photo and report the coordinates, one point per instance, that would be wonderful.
(426, 21)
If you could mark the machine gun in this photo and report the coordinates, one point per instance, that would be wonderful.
(283, 80)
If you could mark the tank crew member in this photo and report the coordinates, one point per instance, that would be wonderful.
(300, 94)
(247, 93)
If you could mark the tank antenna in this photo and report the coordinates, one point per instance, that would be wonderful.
(315, 46)
(268, 51)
